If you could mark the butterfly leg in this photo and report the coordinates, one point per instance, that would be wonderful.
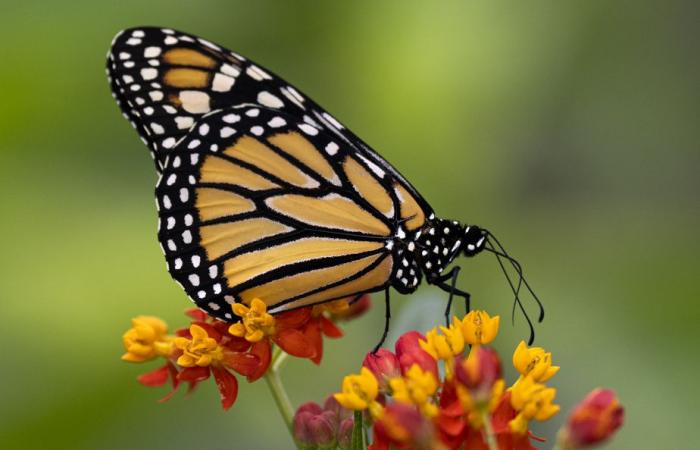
(452, 290)
(387, 317)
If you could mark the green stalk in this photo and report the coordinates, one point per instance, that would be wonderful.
(358, 442)
(488, 431)
(279, 394)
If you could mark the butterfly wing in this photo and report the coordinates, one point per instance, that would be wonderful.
(262, 193)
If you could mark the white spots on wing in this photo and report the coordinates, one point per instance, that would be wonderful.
(148, 110)
(373, 167)
(254, 112)
(124, 55)
(187, 237)
(167, 204)
(151, 52)
(170, 40)
(201, 294)
(194, 279)
(184, 195)
(229, 299)
(332, 120)
(294, 96)
(214, 306)
(308, 129)
(213, 271)
(214, 148)
(133, 41)
(135, 87)
(257, 130)
(188, 219)
(195, 102)
(171, 245)
(156, 96)
(184, 122)
(127, 79)
(257, 73)
(231, 118)
(129, 64)
(153, 62)
(332, 148)
(196, 259)
(226, 132)
(170, 223)
(170, 181)
(209, 44)
(157, 128)
(170, 109)
(217, 290)
(167, 31)
(168, 142)
(194, 158)
(222, 83)
(178, 263)
(138, 33)
(269, 100)
(277, 122)
(194, 143)
(204, 129)
(230, 70)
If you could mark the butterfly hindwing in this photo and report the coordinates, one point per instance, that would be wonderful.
(254, 203)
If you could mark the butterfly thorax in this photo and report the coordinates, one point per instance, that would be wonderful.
(429, 250)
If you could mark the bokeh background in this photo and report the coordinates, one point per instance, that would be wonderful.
(569, 129)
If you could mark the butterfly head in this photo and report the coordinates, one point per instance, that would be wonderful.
(474, 240)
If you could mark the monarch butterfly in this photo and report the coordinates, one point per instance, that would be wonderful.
(262, 193)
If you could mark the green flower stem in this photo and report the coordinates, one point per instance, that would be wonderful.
(358, 442)
(274, 383)
(488, 431)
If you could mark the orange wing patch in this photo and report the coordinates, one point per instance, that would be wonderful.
(186, 78)
(219, 239)
(299, 147)
(295, 285)
(331, 211)
(254, 152)
(368, 187)
(188, 57)
(215, 203)
(410, 209)
(242, 268)
(219, 170)
(371, 280)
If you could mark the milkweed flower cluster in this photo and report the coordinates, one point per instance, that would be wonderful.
(412, 404)
(208, 347)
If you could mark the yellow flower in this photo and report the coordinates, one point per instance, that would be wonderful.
(446, 345)
(532, 400)
(359, 392)
(416, 387)
(535, 362)
(255, 322)
(146, 339)
(200, 351)
(480, 328)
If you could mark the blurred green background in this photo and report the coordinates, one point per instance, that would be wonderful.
(569, 129)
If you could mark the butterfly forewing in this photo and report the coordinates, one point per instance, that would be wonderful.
(263, 193)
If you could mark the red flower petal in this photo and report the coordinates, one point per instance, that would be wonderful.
(263, 352)
(329, 328)
(156, 377)
(228, 386)
(293, 319)
(312, 332)
(244, 363)
(210, 329)
(194, 374)
(295, 343)
(196, 314)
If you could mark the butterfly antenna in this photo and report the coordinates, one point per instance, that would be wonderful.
(518, 268)
(516, 300)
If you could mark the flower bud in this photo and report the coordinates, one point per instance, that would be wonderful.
(593, 420)
(345, 433)
(479, 372)
(322, 428)
(331, 404)
(409, 352)
(384, 365)
(301, 430)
